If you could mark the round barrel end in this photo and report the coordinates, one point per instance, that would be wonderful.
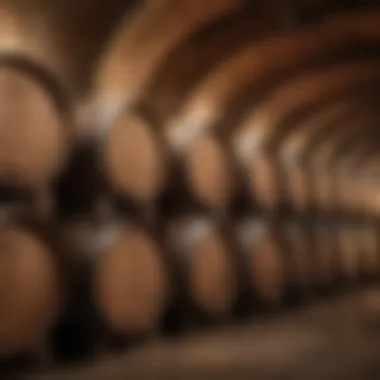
(326, 262)
(29, 292)
(263, 184)
(213, 277)
(34, 140)
(299, 195)
(134, 161)
(131, 285)
(210, 173)
(268, 271)
(301, 274)
(349, 254)
(367, 243)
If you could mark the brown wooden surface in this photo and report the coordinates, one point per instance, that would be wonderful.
(336, 339)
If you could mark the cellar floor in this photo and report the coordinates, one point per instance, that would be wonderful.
(337, 339)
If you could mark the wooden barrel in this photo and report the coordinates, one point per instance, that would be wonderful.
(127, 281)
(327, 261)
(30, 292)
(207, 266)
(369, 249)
(135, 161)
(35, 124)
(364, 172)
(262, 250)
(366, 184)
(300, 255)
(346, 176)
(349, 252)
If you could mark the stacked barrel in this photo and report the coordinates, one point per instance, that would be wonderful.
(36, 138)
(224, 161)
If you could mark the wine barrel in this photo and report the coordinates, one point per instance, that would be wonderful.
(262, 250)
(206, 266)
(125, 277)
(31, 291)
(299, 256)
(36, 126)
